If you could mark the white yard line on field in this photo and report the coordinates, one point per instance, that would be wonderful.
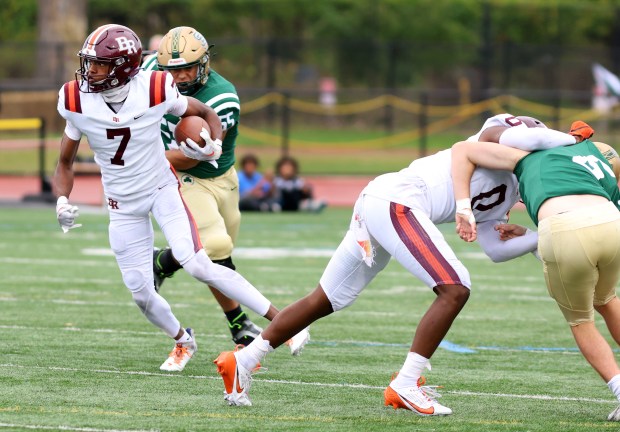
(57, 262)
(257, 253)
(69, 428)
(313, 384)
(95, 330)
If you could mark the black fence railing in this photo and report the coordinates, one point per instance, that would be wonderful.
(303, 64)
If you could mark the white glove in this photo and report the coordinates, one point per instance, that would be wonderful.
(66, 214)
(465, 220)
(210, 152)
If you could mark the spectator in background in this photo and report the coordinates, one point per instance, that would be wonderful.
(292, 192)
(255, 189)
(154, 42)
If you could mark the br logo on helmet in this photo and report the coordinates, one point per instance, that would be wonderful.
(125, 44)
(113, 44)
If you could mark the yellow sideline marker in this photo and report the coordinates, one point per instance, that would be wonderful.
(20, 123)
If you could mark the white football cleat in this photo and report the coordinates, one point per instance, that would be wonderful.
(615, 415)
(299, 341)
(180, 354)
(237, 379)
(419, 399)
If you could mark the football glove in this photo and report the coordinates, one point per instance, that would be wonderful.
(66, 214)
(581, 130)
(465, 220)
(210, 152)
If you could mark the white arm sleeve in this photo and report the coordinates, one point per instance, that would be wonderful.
(530, 139)
(72, 132)
(176, 103)
(179, 107)
(499, 250)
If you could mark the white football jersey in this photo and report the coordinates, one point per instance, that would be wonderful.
(426, 184)
(127, 145)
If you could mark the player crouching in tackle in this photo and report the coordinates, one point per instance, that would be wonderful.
(396, 216)
(572, 194)
(119, 107)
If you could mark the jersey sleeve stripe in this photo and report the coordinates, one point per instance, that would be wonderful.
(157, 89)
(227, 105)
(219, 97)
(72, 97)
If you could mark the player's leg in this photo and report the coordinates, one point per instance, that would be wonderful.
(131, 239)
(607, 303)
(417, 244)
(214, 203)
(345, 276)
(225, 191)
(176, 222)
(581, 267)
(610, 312)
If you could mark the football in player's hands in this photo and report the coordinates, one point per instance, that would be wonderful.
(190, 127)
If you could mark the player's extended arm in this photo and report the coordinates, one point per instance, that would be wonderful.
(528, 139)
(63, 177)
(519, 242)
(63, 184)
(465, 156)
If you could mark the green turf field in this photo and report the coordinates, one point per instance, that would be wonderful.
(78, 355)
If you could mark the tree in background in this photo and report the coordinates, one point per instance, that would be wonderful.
(62, 28)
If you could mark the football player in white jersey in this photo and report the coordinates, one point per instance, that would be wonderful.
(395, 216)
(119, 107)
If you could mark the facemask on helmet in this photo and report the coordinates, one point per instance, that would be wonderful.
(113, 45)
(184, 47)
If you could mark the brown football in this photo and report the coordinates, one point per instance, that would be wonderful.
(190, 127)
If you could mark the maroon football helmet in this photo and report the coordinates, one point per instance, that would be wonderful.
(116, 45)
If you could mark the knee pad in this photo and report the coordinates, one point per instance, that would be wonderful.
(135, 280)
(183, 248)
(226, 262)
(218, 245)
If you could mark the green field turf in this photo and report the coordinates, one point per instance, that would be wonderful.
(78, 355)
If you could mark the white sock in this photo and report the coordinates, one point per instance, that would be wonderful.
(227, 281)
(250, 356)
(157, 310)
(185, 338)
(614, 386)
(411, 371)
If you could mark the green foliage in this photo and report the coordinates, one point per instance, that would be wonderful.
(19, 19)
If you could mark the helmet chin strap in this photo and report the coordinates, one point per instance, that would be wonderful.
(116, 95)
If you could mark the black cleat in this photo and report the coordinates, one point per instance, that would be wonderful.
(244, 332)
(158, 274)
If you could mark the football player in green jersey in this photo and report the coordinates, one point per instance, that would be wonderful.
(211, 190)
(572, 194)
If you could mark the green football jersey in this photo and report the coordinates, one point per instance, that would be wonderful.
(220, 95)
(578, 169)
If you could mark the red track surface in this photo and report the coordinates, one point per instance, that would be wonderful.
(338, 191)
